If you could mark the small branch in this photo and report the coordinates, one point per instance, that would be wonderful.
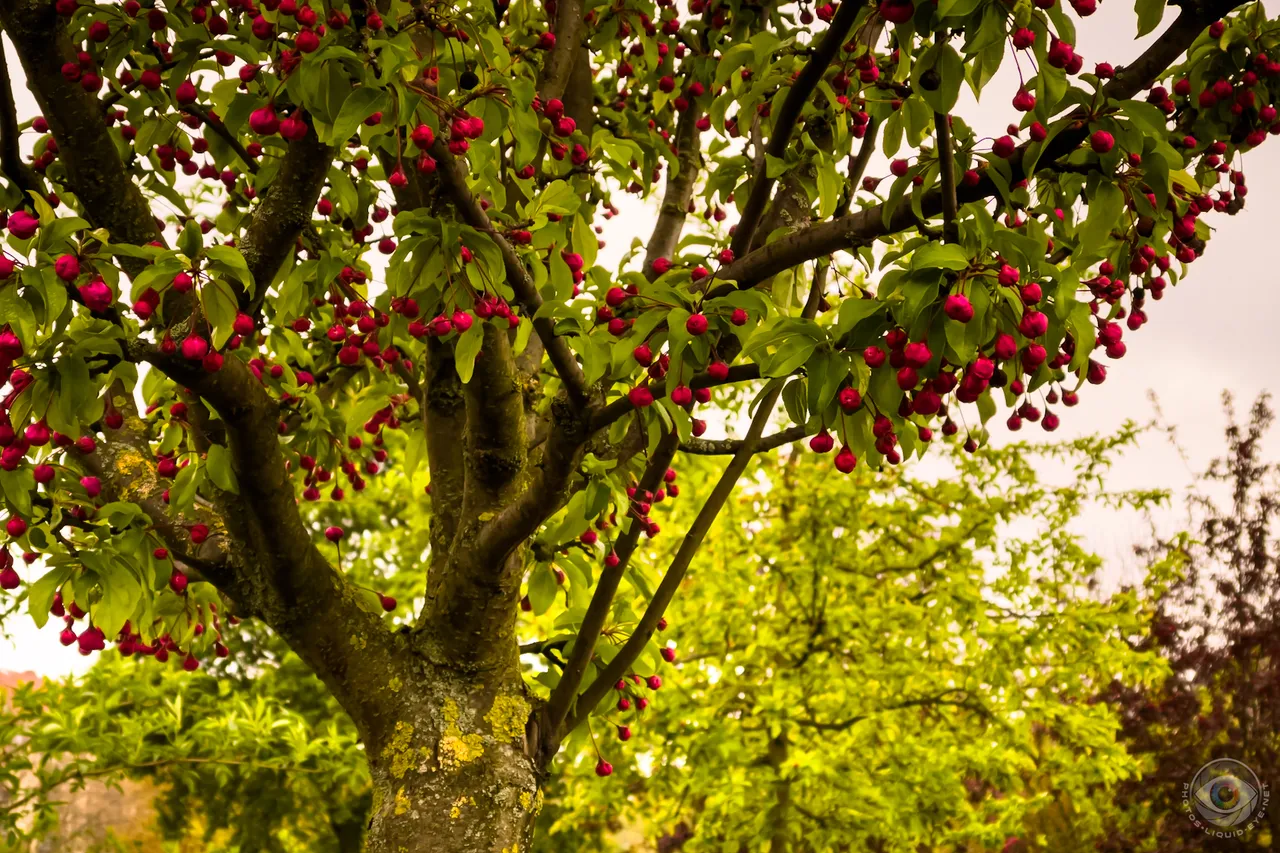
(870, 224)
(454, 181)
(865, 151)
(925, 701)
(619, 407)
(947, 178)
(630, 652)
(728, 446)
(670, 584)
(785, 124)
(593, 621)
(225, 135)
(540, 646)
(109, 196)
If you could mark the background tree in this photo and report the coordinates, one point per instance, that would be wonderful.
(1217, 626)
(262, 762)
(883, 662)
(879, 661)
(275, 348)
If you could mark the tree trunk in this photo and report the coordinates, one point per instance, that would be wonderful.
(454, 773)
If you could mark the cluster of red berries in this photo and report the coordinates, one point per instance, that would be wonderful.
(630, 699)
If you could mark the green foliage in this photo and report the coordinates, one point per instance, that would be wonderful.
(316, 328)
(257, 756)
(884, 663)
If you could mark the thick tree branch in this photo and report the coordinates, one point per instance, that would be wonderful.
(10, 153)
(277, 572)
(125, 465)
(559, 66)
(469, 616)
(284, 211)
(548, 489)
(675, 199)
(454, 181)
(264, 522)
(95, 172)
(443, 423)
(785, 123)
(867, 225)
(494, 436)
(593, 622)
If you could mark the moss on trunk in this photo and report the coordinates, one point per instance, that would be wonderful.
(455, 773)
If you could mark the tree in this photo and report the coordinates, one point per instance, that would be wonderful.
(831, 678)
(279, 323)
(883, 662)
(1217, 627)
(248, 759)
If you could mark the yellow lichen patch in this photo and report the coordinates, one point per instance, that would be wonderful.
(456, 811)
(531, 802)
(456, 748)
(395, 684)
(402, 802)
(358, 642)
(377, 800)
(135, 474)
(397, 753)
(507, 718)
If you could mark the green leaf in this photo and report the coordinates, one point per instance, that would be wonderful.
(947, 63)
(191, 240)
(854, 311)
(369, 401)
(558, 197)
(220, 469)
(828, 186)
(120, 592)
(230, 262)
(542, 588)
(182, 493)
(359, 105)
(40, 594)
(220, 308)
(1150, 14)
(415, 450)
(468, 347)
(947, 256)
(986, 406)
(17, 487)
(793, 352)
(1105, 209)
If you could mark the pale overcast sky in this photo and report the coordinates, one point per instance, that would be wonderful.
(1214, 331)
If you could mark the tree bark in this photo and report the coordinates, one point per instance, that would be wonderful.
(454, 772)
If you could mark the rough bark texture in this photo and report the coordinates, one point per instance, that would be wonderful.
(454, 771)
